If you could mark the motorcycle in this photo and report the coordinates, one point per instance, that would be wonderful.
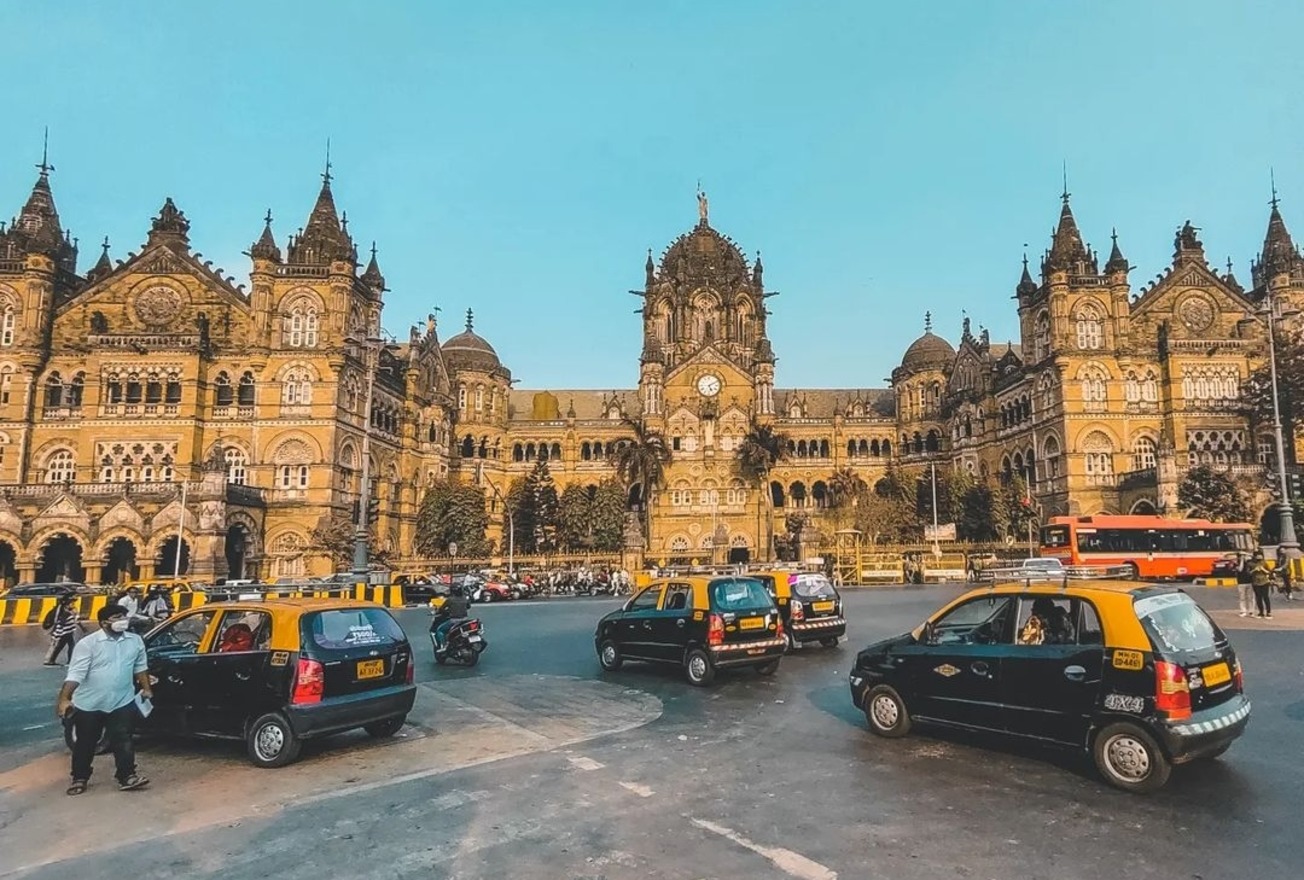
(463, 643)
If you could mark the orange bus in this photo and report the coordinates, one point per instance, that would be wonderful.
(1151, 546)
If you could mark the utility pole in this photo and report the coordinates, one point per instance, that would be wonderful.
(937, 550)
(1287, 542)
(361, 560)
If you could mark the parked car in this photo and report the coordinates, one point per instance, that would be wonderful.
(1138, 676)
(44, 591)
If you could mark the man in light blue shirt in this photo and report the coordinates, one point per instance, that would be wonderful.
(106, 670)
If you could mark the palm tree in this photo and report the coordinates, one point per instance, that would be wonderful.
(845, 486)
(762, 447)
(643, 461)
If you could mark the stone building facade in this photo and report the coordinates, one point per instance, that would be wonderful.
(155, 412)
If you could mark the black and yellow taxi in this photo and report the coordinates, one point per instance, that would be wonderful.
(275, 673)
(1137, 675)
(809, 604)
(700, 623)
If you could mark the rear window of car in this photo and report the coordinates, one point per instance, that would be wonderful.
(1043, 564)
(739, 594)
(1176, 624)
(813, 586)
(345, 628)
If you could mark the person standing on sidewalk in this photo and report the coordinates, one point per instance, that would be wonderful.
(1244, 587)
(63, 630)
(1261, 579)
(107, 668)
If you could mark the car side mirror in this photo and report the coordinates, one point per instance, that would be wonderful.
(930, 633)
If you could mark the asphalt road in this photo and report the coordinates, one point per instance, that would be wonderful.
(537, 764)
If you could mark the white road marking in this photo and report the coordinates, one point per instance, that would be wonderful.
(582, 763)
(36, 726)
(791, 863)
(640, 790)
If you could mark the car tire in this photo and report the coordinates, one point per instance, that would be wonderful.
(1131, 572)
(609, 656)
(1130, 759)
(830, 642)
(385, 729)
(769, 667)
(271, 742)
(698, 667)
(886, 712)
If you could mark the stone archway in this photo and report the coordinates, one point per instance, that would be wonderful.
(169, 563)
(61, 560)
(8, 564)
(237, 546)
(120, 562)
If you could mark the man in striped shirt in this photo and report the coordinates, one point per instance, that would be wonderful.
(63, 632)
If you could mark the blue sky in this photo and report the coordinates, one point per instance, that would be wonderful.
(521, 157)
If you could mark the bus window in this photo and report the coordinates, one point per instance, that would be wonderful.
(1055, 536)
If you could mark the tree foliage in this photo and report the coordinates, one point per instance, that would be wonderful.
(591, 517)
(1213, 495)
(535, 510)
(452, 513)
(1257, 391)
(760, 449)
(334, 536)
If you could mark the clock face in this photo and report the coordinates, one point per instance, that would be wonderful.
(709, 385)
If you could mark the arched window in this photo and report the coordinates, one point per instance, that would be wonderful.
(134, 389)
(1150, 387)
(1090, 326)
(8, 323)
(296, 388)
(1143, 453)
(1094, 383)
(54, 391)
(246, 391)
(6, 384)
(1050, 452)
(60, 467)
(1098, 454)
(1041, 337)
(223, 393)
(153, 387)
(172, 389)
(301, 325)
(237, 466)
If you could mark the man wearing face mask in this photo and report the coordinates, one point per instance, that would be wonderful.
(106, 670)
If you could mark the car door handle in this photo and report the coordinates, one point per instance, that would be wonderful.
(1075, 673)
(981, 668)
(243, 676)
(174, 678)
(679, 622)
(647, 624)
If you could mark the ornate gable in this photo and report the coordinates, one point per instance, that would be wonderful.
(64, 510)
(1194, 301)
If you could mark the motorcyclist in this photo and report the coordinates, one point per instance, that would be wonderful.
(158, 606)
(454, 608)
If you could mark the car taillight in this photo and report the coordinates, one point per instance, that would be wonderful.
(778, 627)
(473, 625)
(309, 682)
(1172, 693)
(1239, 675)
(715, 630)
(411, 671)
(796, 610)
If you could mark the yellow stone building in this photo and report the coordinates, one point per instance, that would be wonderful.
(153, 411)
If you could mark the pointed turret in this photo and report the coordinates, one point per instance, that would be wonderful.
(758, 273)
(1117, 263)
(170, 227)
(1026, 287)
(324, 239)
(265, 247)
(650, 269)
(372, 276)
(1067, 252)
(103, 266)
(1279, 252)
(36, 229)
(1230, 280)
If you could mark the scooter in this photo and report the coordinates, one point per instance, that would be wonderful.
(463, 643)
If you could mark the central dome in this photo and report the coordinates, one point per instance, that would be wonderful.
(469, 350)
(702, 253)
(928, 352)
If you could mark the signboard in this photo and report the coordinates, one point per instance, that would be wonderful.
(940, 532)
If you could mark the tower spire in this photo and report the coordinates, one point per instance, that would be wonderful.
(326, 175)
(470, 320)
(45, 165)
(928, 322)
(1116, 263)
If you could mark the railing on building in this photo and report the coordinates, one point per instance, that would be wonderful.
(39, 490)
(143, 340)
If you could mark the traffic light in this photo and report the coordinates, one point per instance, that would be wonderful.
(373, 509)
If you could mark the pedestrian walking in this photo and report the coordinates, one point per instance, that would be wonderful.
(64, 626)
(1261, 578)
(1244, 587)
(1287, 585)
(107, 668)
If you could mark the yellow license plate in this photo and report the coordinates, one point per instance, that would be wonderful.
(751, 623)
(371, 669)
(1216, 674)
(822, 606)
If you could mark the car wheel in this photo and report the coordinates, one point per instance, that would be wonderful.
(698, 668)
(1131, 572)
(271, 741)
(441, 659)
(609, 656)
(886, 712)
(385, 729)
(769, 667)
(830, 642)
(1130, 759)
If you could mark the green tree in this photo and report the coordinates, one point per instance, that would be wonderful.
(642, 462)
(890, 512)
(761, 448)
(977, 519)
(1257, 391)
(573, 517)
(1012, 510)
(592, 518)
(452, 513)
(1213, 495)
(535, 509)
(334, 536)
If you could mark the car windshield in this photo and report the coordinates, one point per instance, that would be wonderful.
(813, 586)
(739, 594)
(1176, 624)
(354, 628)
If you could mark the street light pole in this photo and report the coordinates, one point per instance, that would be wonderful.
(1287, 542)
(511, 527)
(361, 560)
